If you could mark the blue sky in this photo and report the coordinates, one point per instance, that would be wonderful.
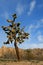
(30, 14)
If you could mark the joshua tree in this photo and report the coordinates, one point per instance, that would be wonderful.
(15, 34)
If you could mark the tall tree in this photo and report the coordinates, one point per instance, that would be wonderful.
(15, 34)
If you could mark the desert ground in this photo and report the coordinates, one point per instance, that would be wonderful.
(21, 63)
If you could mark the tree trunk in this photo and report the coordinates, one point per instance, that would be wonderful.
(17, 50)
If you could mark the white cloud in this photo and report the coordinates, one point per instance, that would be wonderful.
(35, 45)
(5, 15)
(19, 9)
(34, 41)
(33, 27)
(41, 20)
(40, 38)
(31, 45)
(30, 28)
(32, 6)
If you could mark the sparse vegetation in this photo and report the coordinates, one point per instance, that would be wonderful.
(30, 54)
(29, 57)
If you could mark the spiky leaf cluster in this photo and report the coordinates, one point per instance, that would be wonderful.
(14, 32)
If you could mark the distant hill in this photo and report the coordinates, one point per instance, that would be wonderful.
(27, 54)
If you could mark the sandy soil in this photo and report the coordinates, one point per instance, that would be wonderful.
(22, 63)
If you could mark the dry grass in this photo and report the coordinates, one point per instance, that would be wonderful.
(28, 57)
(21, 63)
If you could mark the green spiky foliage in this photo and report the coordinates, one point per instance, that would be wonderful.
(14, 33)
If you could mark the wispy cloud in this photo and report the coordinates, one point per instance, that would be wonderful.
(35, 45)
(36, 38)
(32, 6)
(19, 9)
(41, 20)
(5, 15)
(33, 27)
(27, 45)
(40, 38)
